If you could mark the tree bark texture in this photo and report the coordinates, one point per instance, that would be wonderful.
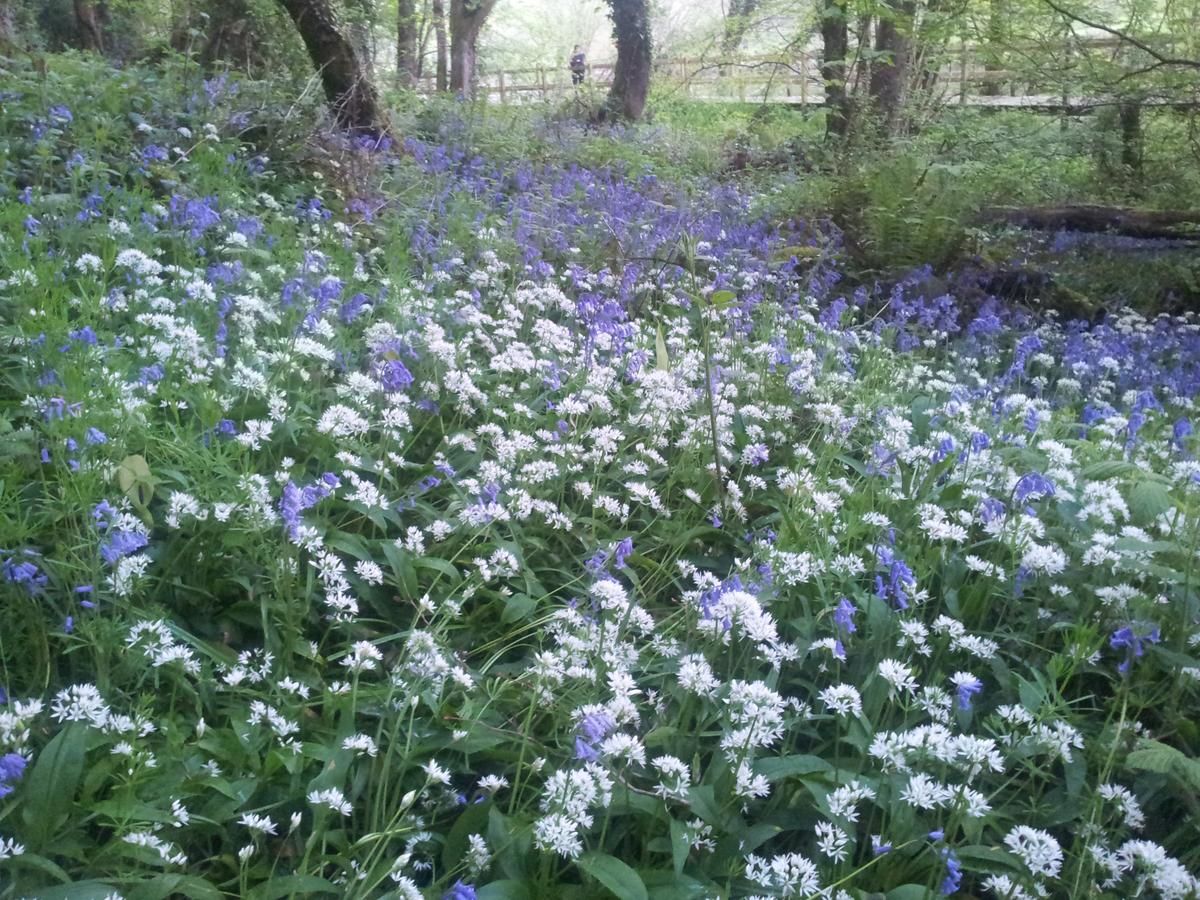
(835, 44)
(347, 88)
(466, 21)
(631, 77)
(407, 61)
(8, 25)
(1129, 113)
(91, 34)
(888, 85)
(439, 34)
(737, 23)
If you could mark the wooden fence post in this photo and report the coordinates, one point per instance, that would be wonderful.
(804, 78)
(503, 95)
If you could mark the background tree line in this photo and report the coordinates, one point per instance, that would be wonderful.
(879, 61)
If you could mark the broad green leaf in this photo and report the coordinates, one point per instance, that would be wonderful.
(472, 820)
(287, 885)
(163, 886)
(615, 875)
(504, 889)
(50, 791)
(517, 607)
(1148, 500)
(721, 299)
(681, 845)
(783, 766)
(80, 890)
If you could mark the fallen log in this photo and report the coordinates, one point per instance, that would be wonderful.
(1138, 223)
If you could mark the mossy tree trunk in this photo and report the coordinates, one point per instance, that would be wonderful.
(348, 89)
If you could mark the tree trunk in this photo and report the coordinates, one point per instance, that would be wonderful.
(1141, 223)
(888, 86)
(996, 37)
(466, 21)
(631, 77)
(360, 31)
(835, 42)
(347, 87)
(737, 23)
(8, 26)
(91, 35)
(1130, 116)
(407, 61)
(439, 30)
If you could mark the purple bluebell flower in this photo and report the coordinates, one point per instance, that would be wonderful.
(460, 891)
(966, 686)
(1033, 485)
(122, 543)
(843, 616)
(1133, 643)
(12, 769)
(954, 873)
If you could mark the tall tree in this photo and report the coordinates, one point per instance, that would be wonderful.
(439, 35)
(347, 88)
(631, 77)
(737, 23)
(890, 72)
(466, 21)
(89, 22)
(835, 45)
(408, 63)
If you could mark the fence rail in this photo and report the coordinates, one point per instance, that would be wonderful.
(962, 77)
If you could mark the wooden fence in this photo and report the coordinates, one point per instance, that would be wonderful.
(794, 79)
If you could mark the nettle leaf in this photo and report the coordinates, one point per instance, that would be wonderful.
(615, 875)
(1163, 759)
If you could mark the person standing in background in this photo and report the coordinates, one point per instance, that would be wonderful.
(577, 65)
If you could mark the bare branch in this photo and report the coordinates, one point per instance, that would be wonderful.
(1162, 59)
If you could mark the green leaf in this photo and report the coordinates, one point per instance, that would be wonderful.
(286, 885)
(1163, 759)
(783, 766)
(162, 886)
(50, 791)
(80, 890)
(517, 607)
(472, 820)
(681, 845)
(662, 360)
(504, 889)
(987, 859)
(908, 892)
(721, 299)
(615, 875)
(1149, 500)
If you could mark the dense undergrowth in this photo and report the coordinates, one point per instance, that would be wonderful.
(436, 520)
